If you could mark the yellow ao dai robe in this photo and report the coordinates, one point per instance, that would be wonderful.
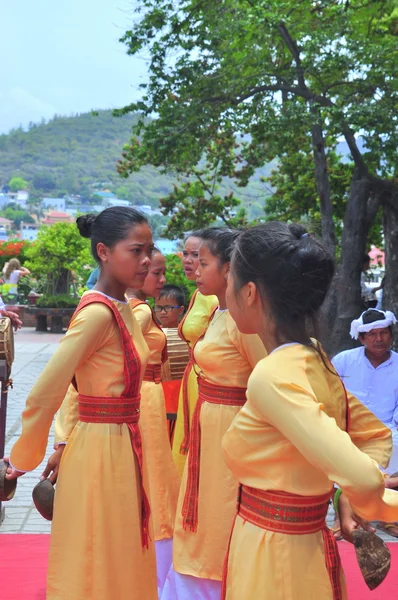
(96, 551)
(224, 357)
(290, 437)
(164, 481)
(192, 327)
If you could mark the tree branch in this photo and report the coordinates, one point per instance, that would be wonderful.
(295, 52)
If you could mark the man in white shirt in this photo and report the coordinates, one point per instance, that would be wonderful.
(371, 374)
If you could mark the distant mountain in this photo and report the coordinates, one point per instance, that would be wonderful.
(70, 154)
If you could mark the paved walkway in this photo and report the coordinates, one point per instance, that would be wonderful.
(33, 350)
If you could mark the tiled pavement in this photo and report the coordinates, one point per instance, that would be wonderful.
(33, 350)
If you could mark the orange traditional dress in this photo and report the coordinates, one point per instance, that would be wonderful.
(163, 478)
(224, 359)
(287, 447)
(191, 327)
(100, 544)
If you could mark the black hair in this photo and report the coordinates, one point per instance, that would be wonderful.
(109, 227)
(173, 291)
(196, 234)
(366, 259)
(371, 315)
(219, 241)
(292, 269)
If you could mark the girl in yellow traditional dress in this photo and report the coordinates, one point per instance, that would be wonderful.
(224, 359)
(163, 478)
(298, 432)
(101, 546)
(190, 329)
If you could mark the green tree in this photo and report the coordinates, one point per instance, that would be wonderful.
(17, 183)
(61, 254)
(267, 73)
(44, 182)
(175, 275)
(17, 216)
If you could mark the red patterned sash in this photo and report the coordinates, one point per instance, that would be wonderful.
(124, 409)
(215, 394)
(109, 410)
(293, 515)
(152, 373)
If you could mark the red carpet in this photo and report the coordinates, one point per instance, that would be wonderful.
(23, 562)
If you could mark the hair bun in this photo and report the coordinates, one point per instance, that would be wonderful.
(85, 224)
(297, 231)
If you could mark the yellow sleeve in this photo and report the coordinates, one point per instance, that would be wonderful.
(249, 345)
(368, 433)
(143, 314)
(291, 407)
(89, 330)
(67, 417)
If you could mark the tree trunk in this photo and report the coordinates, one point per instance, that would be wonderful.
(322, 181)
(61, 284)
(353, 248)
(390, 293)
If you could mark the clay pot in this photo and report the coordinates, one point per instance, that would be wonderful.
(373, 557)
(7, 488)
(43, 497)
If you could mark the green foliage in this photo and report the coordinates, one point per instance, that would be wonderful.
(61, 254)
(17, 183)
(175, 275)
(158, 225)
(59, 301)
(267, 71)
(16, 215)
(30, 283)
(70, 155)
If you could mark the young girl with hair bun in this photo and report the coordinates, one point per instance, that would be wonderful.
(223, 361)
(191, 327)
(163, 479)
(101, 539)
(298, 432)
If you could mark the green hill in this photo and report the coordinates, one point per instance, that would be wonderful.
(71, 154)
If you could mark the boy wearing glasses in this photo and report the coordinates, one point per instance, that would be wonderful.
(170, 306)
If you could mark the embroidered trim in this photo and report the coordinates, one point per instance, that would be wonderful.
(214, 394)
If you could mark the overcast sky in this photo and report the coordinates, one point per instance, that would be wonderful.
(64, 57)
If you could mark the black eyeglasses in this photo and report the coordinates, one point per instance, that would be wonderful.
(165, 309)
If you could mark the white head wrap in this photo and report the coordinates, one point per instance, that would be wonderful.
(358, 326)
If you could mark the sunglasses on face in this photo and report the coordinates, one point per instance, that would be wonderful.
(165, 309)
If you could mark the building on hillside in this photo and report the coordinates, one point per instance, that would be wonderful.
(4, 199)
(116, 202)
(83, 209)
(145, 208)
(5, 223)
(55, 216)
(21, 198)
(29, 231)
(54, 203)
(105, 194)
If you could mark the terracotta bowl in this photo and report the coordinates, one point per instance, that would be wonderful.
(7, 488)
(373, 557)
(43, 497)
